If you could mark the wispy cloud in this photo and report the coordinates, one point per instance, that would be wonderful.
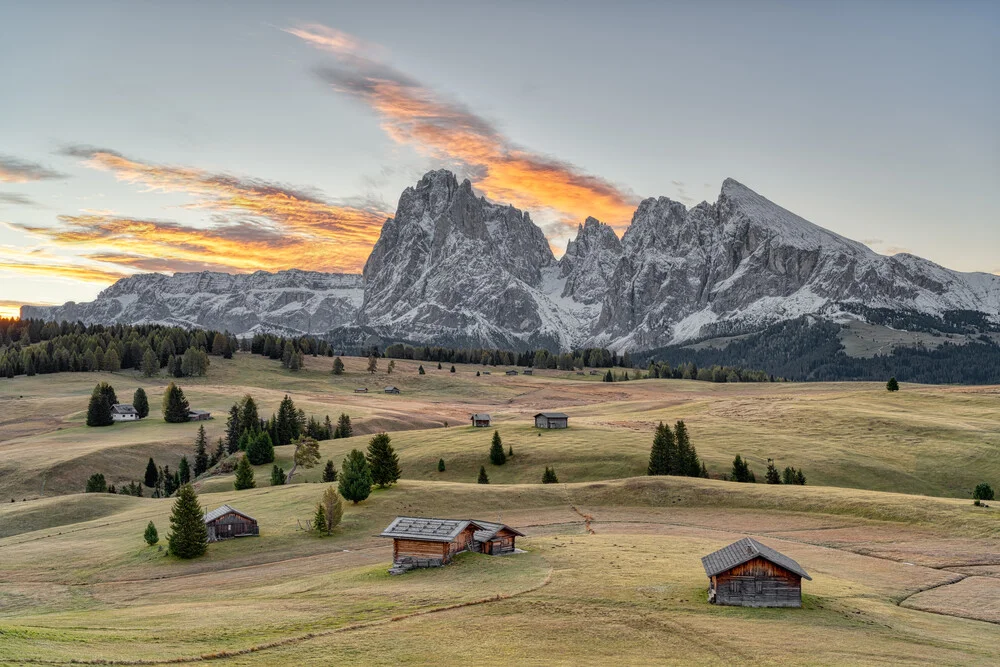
(17, 200)
(55, 269)
(415, 115)
(14, 170)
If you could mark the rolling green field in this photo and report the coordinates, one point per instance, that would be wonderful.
(905, 570)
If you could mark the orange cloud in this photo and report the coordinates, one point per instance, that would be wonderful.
(57, 270)
(413, 114)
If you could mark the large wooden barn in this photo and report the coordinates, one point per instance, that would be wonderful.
(749, 574)
(226, 522)
(423, 542)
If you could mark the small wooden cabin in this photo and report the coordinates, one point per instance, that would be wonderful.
(481, 419)
(226, 522)
(392, 390)
(123, 412)
(361, 390)
(750, 574)
(511, 373)
(593, 372)
(423, 542)
(528, 371)
(199, 415)
(551, 420)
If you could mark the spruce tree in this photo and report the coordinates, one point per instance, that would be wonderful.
(344, 426)
(421, 370)
(277, 475)
(355, 478)
(99, 410)
(452, 369)
(233, 429)
(800, 477)
(244, 475)
(96, 484)
(687, 458)
(439, 365)
(184, 471)
(284, 424)
(483, 477)
(175, 406)
(151, 536)
(319, 519)
(169, 481)
(329, 472)
(200, 452)
(440, 465)
(150, 363)
(333, 508)
(892, 385)
(663, 452)
(549, 476)
(188, 534)
(383, 461)
(609, 376)
(152, 474)
(141, 403)
(218, 454)
(741, 470)
(338, 366)
(249, 418)
(788, 475)
(260, 449)
(497, 457)
(772, 476)
(510, 451)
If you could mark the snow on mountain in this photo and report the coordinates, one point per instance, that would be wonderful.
(452, 268)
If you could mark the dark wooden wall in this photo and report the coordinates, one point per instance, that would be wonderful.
(758, 583)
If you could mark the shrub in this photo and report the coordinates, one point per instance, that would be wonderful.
(983, 491)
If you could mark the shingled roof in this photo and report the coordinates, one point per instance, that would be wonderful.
(432, 530)
(224, 510)
(553, 415)
(490, 529)
(746, 550)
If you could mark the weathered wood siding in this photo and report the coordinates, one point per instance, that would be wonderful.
(757, 583)
(551, 422)
(420, 549)
(229, 526)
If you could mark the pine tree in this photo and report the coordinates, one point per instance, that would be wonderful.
(510, 451)
(687, 458)
(200, 452)
(169, 481)
(383, 461)
(284, 423)
(772, 476)
(233, 429)
(260, 449)
(800, 477)
(306, 454)
(609, 376)
(175, 406)
(184, 471)
(355, 478)
(372, 364)
(152, 474)
(333, 508)
(99, 410)
(338, 366)
(549, 476)
(141, 403)
(391, 367)
(151, 536)
(440, 465)
(329, 472)
(983, 491)
(788, 475)
(319, 519)
(663, 452)
(150, 363)
(277, 475)
(741, 470)
(188, 534)
(327, 429)
(497, 457)
(96, 484)
(344, 426)
(452, 369)
(244, 475)
(483, 477)
(892, 385)
(421, 370)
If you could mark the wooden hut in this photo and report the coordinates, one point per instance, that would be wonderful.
(511, 373)
(481, 419)
(199, 415)
(750, 574)
(226, 522)
(361, 390)
(424, 542)
(392, 390)
(551, 420)
(528, 371)
(494, 538)
(123, 412)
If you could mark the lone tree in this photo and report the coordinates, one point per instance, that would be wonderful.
(391, 367)
(319, 519)
(141, 403)
(372, 364)
(383, 461)
(152, 474)
(200, 452)
(151, 536)
(741, 470)
(483, 477)
(175, 406)
(333, 509)
(355, 483)
(244, 475)
(892, 385)
(338, 366)
(549, 476)
(772, 476)
(983, 491)
(96, 483)
(440, 465)
(188, 535)
(497, 456)
(452, 369)
(99, 410)
(421, 370)
(306, 455)
(329, 472)
(663, 452)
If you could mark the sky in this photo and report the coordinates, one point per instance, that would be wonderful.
(186, 136)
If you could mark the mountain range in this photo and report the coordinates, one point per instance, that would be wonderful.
(452, 268)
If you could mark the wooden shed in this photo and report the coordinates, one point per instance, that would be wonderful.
(528, 371)
(199, 415)
(495, 538)
(361, 390)
(226, 522)
(551, 420)
(392, 390)
(750, 574)
(511, 373)
(481, 419)
(123, 412)
(425, 542)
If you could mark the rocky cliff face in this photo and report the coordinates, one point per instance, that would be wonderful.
(454, 269)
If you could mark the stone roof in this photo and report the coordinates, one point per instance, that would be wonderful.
(744, 551)
(224, 510)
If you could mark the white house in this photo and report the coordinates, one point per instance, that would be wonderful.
(123, 412)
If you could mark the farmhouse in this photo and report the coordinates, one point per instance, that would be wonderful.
(511, 373)
(551, 420)
(123, 412)
(422, 542)
(391, 390)
(225, 523)
(749, 574)
(481, 419)
(199, 415)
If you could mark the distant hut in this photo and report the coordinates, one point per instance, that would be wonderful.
(361, 390)
(424, 542)
(123, 412)
(226, 522)
(481, 419)
(749, 574)
(551, 420)
(486, 372)
(495, 538)
(528, 371)
(593, 372)
(392, 390)
(511, 373)
(199, 415)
